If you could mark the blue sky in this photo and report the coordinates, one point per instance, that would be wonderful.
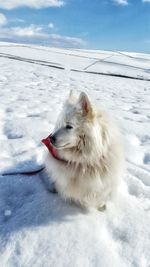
(97, 24)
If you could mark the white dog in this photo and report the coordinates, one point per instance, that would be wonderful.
(85, 154)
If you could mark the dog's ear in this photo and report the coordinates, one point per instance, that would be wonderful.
(72, 97)
(85, 105)
(71, 94)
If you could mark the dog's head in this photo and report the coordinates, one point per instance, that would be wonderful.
(77, 126)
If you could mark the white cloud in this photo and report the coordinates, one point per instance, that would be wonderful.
(3, 20)
(67, 40)
(36, 34)
(144, 1)
(121, 2)
(51, 25)
(30, 31)
(10, 4)
(23, 33)
(17, 20)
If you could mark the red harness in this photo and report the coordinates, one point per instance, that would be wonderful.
(52, 149)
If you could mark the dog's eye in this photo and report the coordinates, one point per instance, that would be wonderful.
(68, 127)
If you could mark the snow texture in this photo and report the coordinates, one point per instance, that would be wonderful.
(38, 228)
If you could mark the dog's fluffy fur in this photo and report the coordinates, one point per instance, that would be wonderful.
(92, 149)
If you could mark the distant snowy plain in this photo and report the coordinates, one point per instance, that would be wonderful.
(38, 228)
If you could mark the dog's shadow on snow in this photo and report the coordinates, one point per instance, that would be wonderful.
(26, 202)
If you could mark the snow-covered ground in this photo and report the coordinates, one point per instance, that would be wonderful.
(38, 228)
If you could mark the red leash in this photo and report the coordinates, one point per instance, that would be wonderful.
(52, 151)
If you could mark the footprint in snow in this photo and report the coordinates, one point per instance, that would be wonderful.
(147, 158)
(137, 188)
(135, 112)
(12, 135)
(13, 130)
(9, 110)
(34, 115)
(145, 139)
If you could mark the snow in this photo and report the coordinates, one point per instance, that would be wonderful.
(38, 228)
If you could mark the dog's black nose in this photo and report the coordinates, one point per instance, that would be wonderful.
(53, 139)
